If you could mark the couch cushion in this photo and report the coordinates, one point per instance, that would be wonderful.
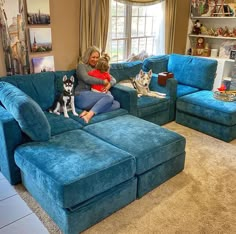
(151, 105)
(193, 71)
(156, 63)
(204, 105)
(185, 89)
(125, 70)
(73, 167)
(100, 117)
(26, 112)
(60, 124)
(39, 86)
(148, 142)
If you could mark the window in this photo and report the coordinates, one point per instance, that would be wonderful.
(134, 29)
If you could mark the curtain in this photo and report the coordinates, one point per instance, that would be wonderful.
(93, 27)
(170, 17)
(139, 2)
(160, 38)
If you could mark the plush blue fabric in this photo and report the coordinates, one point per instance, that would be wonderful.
(10, 136)
(220, 131)
(156, 63)
(60, 124)
(88, 213)
(98, 118)
(158, 175)
(149, 143)
(204, 105)
(125, 70)
(185, 89)
(193, 71)
(151, 105)
(127, 97)
(39, 86)
(26, 112)
(75, 166)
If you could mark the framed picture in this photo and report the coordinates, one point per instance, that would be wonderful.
(40, 39)
(43, 64)
(38, 12)
(232, 54)
(13, 37)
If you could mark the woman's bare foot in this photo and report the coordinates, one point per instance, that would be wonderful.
(83, 114)
(88, 116)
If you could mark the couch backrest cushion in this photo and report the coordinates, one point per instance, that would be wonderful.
(26, 112)
(156, 63)
(125, 70)
(39, 86)
(193, 71)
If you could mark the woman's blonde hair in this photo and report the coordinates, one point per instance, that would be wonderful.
(88, 53)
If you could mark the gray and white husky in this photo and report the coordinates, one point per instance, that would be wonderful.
(66, 99)
(141, 83)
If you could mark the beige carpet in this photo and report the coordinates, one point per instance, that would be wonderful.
(201, 199)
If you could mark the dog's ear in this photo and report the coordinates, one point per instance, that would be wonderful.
(141, 72)
(150, 73)
(64, 78)
(72, 78)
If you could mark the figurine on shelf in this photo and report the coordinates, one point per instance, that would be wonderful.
(210, 9)
(200, 46)
(197, 27)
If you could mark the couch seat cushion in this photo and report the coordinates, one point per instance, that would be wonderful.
(100, 117)
(150, 105)
(185, 89)
(60, 124)
(148, 142)
(74, 167)
(204, 105)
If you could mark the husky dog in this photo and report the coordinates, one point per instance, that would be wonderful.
(141, 83)
(65, 99)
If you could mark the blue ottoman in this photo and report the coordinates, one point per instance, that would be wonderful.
(159, 152)
(202, 112)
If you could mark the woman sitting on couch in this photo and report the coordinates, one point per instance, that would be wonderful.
(92, 102)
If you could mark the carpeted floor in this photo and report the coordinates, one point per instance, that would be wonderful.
(201, 199)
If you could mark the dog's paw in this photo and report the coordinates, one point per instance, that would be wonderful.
(66, 116)
(75, 114)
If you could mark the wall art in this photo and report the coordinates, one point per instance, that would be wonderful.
(43, 64)
(13, 36)
(40, 39)
(38, 12)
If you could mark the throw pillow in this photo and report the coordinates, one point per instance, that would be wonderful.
(26, 112)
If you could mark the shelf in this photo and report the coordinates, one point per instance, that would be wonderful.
(213, 37)
(214, 17)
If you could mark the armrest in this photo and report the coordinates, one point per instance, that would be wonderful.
(127, 97)
(170, 89)
(10, 138)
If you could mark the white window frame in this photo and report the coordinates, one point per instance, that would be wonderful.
(128, 37)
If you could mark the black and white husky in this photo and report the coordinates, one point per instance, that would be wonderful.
(66, 99)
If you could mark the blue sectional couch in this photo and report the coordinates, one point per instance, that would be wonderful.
(80, 173)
